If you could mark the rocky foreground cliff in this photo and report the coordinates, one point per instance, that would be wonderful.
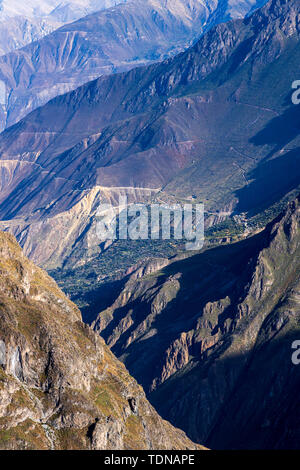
(210, 338)
(60, 386)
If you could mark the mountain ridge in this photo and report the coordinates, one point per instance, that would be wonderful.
(112, 40)
(205, 123)
(220, 327)
(22, 24)
(60, 386)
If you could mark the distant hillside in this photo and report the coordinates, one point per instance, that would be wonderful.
(113, 40)
(205, 124)
(24, 22)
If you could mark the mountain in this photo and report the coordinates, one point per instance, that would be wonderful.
(206, 123)
(113, 40)
(210, 337)
(60, 386)
(23, 23)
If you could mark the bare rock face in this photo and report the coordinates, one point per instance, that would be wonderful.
(210, 338)
(60, 386)
(107, 434)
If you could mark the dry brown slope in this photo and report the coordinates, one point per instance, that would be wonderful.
(60, 386)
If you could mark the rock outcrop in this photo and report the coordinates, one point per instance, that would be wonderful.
(60, 386)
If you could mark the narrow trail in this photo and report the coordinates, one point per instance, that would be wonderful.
(270, 110)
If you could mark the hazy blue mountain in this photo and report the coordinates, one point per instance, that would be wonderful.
(113, 40)
(25, 22)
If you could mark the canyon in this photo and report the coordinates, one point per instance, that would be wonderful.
(190, 102)
(210, 337)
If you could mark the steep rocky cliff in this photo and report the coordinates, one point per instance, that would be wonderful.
(60, 386)
(210, 338)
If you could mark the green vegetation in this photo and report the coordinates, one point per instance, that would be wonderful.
(227, 229)
(82, 284)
